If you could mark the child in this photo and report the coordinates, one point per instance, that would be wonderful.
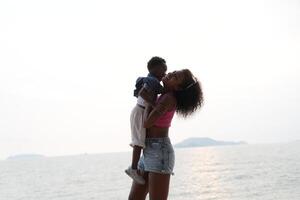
(146, 91)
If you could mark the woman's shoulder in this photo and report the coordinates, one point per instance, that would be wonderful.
(168, 98)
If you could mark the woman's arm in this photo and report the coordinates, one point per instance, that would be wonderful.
(147, 96)
(166, 103)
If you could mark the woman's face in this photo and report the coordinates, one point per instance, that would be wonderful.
(173, 80)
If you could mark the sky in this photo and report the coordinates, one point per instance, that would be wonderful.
(68, 69)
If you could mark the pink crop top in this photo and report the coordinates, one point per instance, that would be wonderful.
(165, 120)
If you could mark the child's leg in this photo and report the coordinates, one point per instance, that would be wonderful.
(132, 171)
(135, 156)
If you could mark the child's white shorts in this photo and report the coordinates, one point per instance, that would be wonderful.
(138, 132)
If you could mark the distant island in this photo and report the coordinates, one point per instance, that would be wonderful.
(25, 156)
(204, 142)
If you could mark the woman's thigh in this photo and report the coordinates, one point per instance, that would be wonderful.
(158, 186)
(138, 191)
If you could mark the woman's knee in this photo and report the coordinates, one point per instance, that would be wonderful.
(133, 196)
(130, 197)
(136, 197)
(138, 192)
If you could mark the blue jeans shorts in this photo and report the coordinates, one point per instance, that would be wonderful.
(158, 156)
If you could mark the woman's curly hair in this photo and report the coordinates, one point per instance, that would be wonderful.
(189, 97)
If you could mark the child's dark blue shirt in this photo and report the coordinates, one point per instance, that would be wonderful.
(150, 82)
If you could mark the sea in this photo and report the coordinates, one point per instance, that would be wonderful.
(241, 172)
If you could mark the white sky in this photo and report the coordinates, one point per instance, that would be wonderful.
(67, 70)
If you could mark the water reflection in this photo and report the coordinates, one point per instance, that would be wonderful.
(235, 172)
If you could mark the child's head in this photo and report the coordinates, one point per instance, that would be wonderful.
(157, 67)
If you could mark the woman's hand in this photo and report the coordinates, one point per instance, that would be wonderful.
(148, 96)
(167, 102)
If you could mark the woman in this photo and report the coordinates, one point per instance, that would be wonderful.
(183, 95)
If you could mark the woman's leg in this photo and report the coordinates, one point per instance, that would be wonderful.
(158, 186)
(138, 191)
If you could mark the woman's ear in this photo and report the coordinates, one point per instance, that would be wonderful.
(177, 88)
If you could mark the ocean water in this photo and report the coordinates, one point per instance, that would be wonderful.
(245, 172)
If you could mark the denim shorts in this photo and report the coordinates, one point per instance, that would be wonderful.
(158, 156)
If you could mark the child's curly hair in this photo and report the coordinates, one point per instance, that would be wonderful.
(189, 97)
(154, 62)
